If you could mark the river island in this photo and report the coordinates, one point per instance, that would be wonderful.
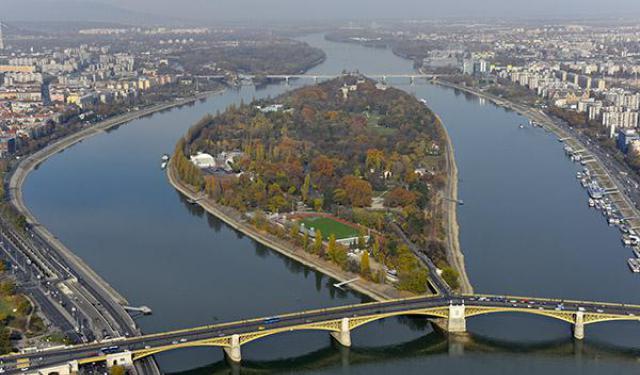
(348, 176)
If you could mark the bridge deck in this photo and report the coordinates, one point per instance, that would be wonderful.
(325, 319)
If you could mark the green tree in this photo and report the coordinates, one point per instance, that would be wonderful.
(412, 277)
(451, 277)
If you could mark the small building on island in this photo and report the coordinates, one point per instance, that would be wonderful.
(203, 160)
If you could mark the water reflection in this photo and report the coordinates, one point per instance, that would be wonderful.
(434, 344)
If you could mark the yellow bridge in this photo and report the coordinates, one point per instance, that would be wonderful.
(451, 311)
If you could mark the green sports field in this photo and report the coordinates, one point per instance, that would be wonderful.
(329, 226)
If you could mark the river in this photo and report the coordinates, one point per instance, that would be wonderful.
(525, 229)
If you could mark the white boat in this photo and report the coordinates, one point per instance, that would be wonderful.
(165, 157)
(592, 203)
(521, 126)
(636, 252)
(634, 264)
(163, 165)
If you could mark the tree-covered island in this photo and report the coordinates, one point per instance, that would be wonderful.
(329, 169)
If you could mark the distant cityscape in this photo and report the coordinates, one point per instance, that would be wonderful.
(342, 165)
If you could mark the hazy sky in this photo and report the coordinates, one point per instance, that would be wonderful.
(231, 10)
(379, 8)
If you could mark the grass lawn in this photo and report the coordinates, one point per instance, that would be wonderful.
(329, 226)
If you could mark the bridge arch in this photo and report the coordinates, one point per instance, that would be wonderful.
(565, 316)
(328, 326)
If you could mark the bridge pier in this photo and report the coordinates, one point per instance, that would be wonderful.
(456, 323)
(578, 326)
(120, 359)
(233, 350)
(68, 368)
(344, 335)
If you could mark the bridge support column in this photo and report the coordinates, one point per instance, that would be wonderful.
(344, 335)
(120, 359)
(578, 326)
(66, 369)
(456, 323)
(233, 350)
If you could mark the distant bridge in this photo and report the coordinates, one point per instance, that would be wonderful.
(412, 77)
(338, 321)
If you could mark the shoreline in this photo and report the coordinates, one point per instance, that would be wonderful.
(28, 164)
(375, 291)
(603, 175)
(454, 252)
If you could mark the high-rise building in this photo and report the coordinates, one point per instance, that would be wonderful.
(1, 41)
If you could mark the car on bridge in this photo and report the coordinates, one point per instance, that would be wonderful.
(271, 320)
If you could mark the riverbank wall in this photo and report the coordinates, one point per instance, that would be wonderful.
(28, 164)
(455, 256)
(377, 292)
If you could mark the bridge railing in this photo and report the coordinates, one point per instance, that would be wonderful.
(577, 302)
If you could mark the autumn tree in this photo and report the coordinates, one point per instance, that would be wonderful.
(375, 159)
(365, 268)
(304, 190)
(399, 197)
(294, 231)
(361, 241)
(317, 242)
(359, 191)
(305, 240)
(331, 247)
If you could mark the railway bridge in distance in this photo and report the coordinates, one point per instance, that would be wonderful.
(452, 311)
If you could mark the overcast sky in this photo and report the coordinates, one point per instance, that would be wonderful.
(378, 8)
(232, 10)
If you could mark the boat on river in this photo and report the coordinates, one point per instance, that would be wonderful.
(595, 191)
(163, 165)
(634, 264)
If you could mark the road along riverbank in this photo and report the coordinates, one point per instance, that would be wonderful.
(601, 174)
(23, 169)
(97, 287)
(455, 256)
(374, 291)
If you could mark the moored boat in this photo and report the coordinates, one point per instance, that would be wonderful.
(634, 264)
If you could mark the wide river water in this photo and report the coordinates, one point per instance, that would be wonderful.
(525, 229)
